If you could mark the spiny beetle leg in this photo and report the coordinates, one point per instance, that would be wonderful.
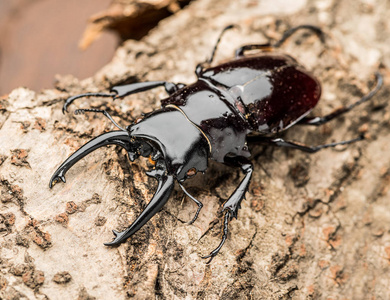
(234, 202)
(200, 204)
(128, 89)
(270, 47)
(317, 121)
(70, 100)
(305, 148)
(133, 88)
(105, 113)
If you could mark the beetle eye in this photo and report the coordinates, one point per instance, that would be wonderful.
(139, 119)
(151, 160)
(191, 172)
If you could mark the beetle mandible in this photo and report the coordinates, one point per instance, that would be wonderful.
(260, 95)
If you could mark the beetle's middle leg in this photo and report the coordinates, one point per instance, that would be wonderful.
(233, 204)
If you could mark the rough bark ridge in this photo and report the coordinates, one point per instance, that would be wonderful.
(313, 226)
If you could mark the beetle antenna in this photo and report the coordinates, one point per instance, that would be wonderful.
(83, 110)
(210, 60)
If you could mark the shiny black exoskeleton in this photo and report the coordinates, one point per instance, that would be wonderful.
(260, 95)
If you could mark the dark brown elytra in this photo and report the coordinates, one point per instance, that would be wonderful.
(248, 99)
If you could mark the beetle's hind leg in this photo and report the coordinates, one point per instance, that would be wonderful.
(270, 47)
(317, 121)
(233, 204)
(316, 30)
(295, 145)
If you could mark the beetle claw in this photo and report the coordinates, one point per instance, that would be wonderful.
(55, 178)
(118, 238)
(211, 255)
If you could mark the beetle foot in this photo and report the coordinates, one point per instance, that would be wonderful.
(56, 178)
(224, 236)
(211, 255)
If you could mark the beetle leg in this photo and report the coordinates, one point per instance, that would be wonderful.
(316, 121)
(164, 189)
(316, 30)
(233, 204)
(270, 47)
(267, 47)
(200, 204)
(71, 99)
(133, 88)
(208, 62)
(224, 236)
(120, 138)
(128, 89)
(289, 144)
(81, 111)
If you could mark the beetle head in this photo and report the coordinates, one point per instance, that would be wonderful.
(168, 137)
(179, 150)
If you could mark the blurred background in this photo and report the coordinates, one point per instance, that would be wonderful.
(39, 39)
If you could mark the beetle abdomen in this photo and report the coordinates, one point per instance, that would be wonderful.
(272, 92)
(291, 94)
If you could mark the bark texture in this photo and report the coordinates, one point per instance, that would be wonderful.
(312, 226)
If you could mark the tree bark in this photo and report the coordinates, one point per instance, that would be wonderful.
(313, 226)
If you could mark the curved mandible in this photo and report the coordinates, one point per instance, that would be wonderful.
(164, 189)
(117, 137)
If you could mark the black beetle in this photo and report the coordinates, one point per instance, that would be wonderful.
(259, 95)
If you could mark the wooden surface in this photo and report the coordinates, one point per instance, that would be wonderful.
(312, 226)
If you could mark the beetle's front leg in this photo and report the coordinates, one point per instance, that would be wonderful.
(233, 204)
(121, 91)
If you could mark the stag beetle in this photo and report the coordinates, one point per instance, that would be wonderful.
(248, 99)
